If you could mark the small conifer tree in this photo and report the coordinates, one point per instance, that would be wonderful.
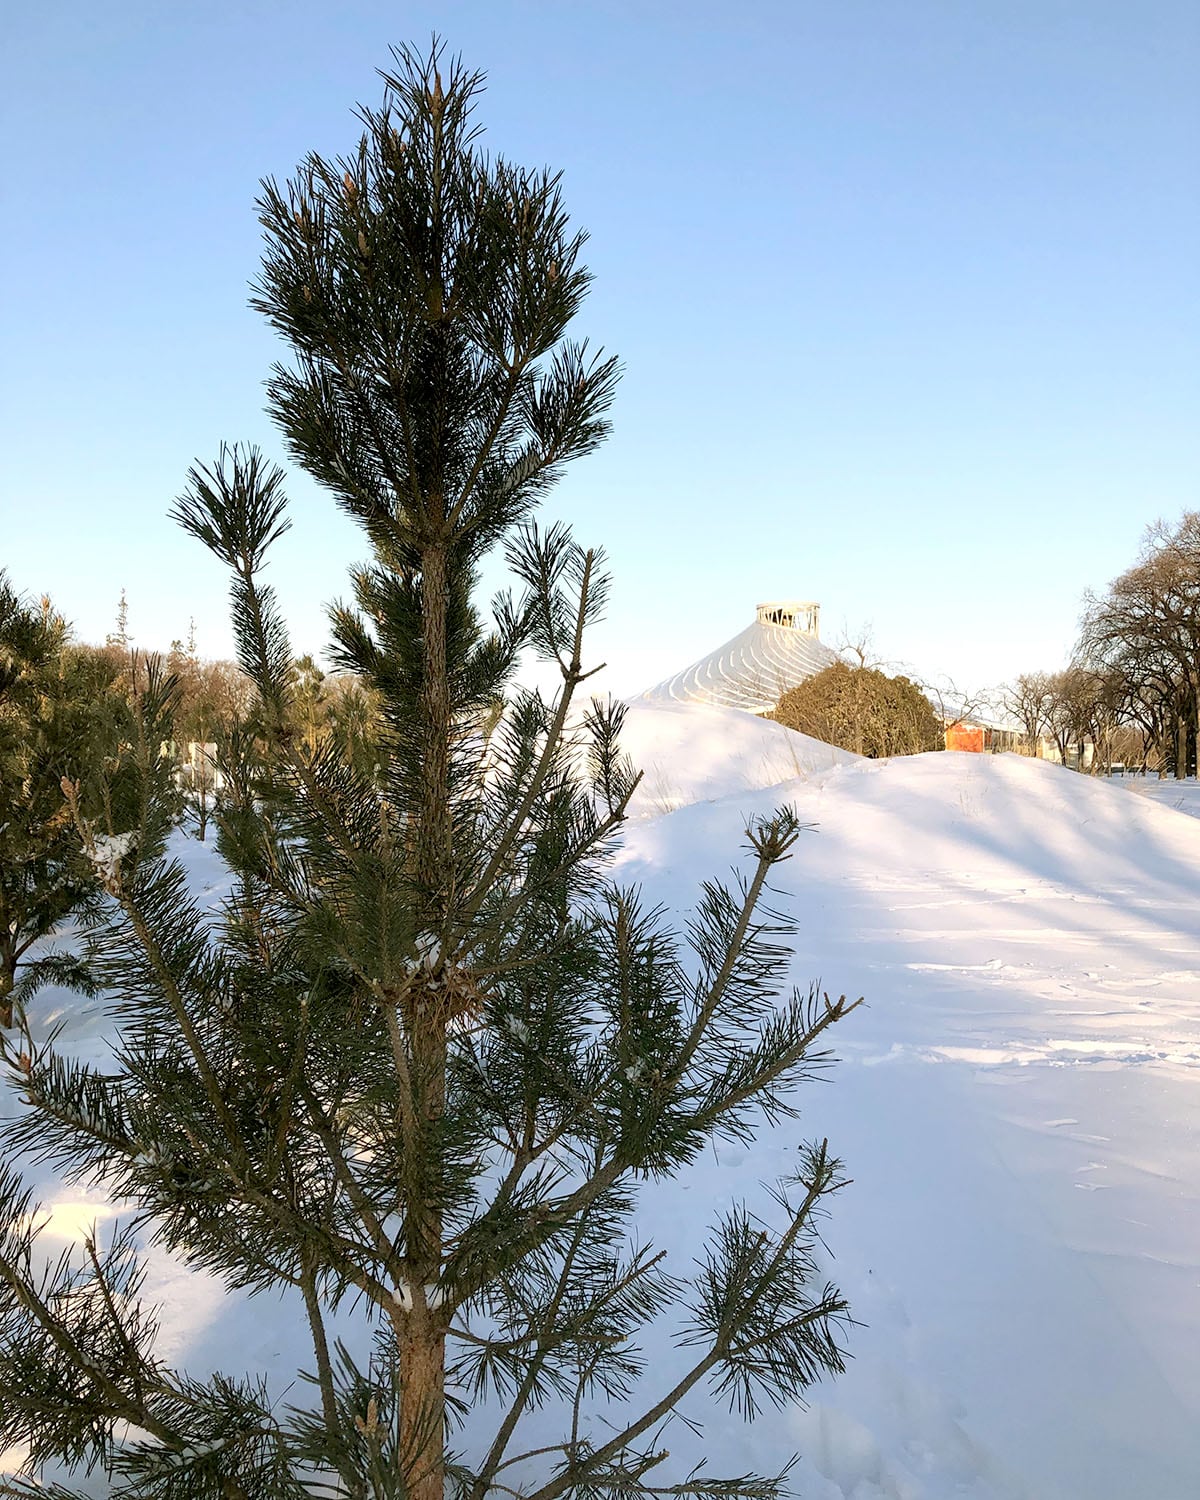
(61, 711)
(862, 709)
(416, 1071)
(119, 637)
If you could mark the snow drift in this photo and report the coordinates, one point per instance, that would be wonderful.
(1019, 1107)
(697, 753)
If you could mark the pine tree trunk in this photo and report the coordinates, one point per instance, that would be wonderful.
(422, 1332)
(422, 1395)
(423, 1341)
(8, 977)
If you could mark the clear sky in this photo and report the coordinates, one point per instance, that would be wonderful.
(907, 292)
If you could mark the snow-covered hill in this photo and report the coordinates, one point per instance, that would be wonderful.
(691, 752)
(1018, 1105)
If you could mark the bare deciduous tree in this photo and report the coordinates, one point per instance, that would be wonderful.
(1144, 632)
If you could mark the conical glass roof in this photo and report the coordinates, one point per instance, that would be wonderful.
(755, 668)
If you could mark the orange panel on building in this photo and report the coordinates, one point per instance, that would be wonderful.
(967, 737)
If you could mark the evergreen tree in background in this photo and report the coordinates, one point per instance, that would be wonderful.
(418, 1069)
(120, 636)
(862, 709)
(214, 700)
(61, 712)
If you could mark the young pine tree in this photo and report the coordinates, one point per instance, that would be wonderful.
(417, 1070)
(61, 711)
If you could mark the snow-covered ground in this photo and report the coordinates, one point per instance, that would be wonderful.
(691, 752)
(1018, 1105)
(1182, 796)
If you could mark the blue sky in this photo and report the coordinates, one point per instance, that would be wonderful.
(906, 293)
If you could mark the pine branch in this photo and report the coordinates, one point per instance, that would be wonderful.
(492, 1463)
(316, 1323)
(772, 840)
(572, 677)
(381, 1243)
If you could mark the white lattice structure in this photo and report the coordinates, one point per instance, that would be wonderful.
(755, 668)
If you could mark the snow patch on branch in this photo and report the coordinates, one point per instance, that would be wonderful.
(106, 852)
(435, 1296)
(429, 949)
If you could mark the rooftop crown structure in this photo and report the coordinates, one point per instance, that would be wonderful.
(792, 614)
(755, 668)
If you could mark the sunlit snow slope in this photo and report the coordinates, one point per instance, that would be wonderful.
(1018, 1106)
(697, 753)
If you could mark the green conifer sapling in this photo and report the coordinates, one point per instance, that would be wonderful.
(417, 1070)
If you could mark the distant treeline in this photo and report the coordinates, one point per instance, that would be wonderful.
(77, 721)
(1131, 693)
